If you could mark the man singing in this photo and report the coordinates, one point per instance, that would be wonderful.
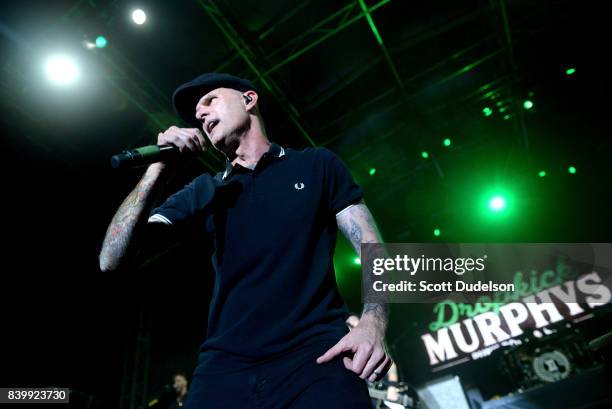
(276, 333)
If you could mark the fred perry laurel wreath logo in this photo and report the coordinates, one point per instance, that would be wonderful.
(299, 186)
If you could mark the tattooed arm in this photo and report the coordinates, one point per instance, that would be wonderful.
(135, 207)
(370, 360)
(357, 224)
(132, 211)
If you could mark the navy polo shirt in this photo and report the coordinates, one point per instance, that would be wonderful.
(274, 232)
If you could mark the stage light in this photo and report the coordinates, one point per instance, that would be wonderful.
(139, 16)
(447, 142)
(357, 261)
(542, 173)
(425, 154)
(570, 71)
(61, 70)
(497, 203)
(487, 111)
(528, 104)
(101, 42)
(502, 109)
(372, 171)
(507, 116)
(571, 170)
(436, 232)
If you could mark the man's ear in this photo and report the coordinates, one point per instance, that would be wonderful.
(250, 99)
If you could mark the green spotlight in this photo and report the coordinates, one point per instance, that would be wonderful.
(487, 111)
(542, 173)
(372, 171)
(357, 261)
(507, 116)
(571, 170)
(447, 142)
(527, 104)
(497, 203)
(436, 232)
(570, 71)
(425, 154)
(502, 109)
(101, 42)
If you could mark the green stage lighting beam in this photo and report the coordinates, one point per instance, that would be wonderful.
(371, 22)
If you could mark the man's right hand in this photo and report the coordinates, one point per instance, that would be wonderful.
(120, 231)
(188, 140)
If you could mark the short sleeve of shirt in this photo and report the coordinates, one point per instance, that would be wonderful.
(185, 203)
(341, 189)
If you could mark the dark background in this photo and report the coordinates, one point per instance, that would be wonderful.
(329, 83)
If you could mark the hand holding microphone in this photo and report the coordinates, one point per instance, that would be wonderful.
(171, 144)
(185, 139)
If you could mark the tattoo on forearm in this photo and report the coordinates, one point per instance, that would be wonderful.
(355, 234)
(121, 228)
(379, 311)
(358, 226)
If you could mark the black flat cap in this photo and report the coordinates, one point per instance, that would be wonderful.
(187, 95)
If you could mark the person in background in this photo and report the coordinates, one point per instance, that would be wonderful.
(181, 387)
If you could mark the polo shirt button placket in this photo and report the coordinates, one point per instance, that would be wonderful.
(252, 192)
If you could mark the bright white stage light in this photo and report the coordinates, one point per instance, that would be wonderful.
(61, 70)
(139, 16)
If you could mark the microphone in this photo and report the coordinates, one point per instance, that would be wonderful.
(163, 394)
(144, 156)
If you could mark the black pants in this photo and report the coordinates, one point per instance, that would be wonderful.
(293, 381)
